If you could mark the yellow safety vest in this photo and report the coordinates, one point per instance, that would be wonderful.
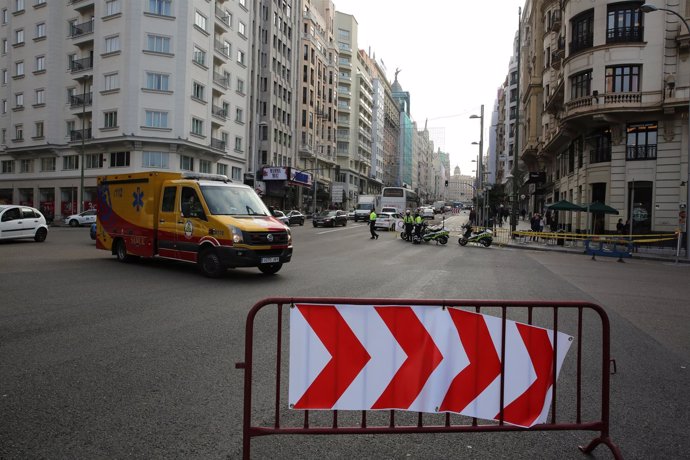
(372, 216)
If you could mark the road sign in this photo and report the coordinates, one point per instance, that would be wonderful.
(426, 359)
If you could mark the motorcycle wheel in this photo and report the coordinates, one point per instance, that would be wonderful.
(462, 241)
(403, 236)
(486, 243)
(443, 239)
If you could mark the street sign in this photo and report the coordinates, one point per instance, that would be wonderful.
(425, 359)
(337, 191)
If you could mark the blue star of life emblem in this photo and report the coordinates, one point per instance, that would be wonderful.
(138, 199)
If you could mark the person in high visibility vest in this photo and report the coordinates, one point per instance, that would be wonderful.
(418, 223)
(408, 220)
(372, 225)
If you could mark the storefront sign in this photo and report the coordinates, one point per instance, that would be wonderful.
(274, 173)
(300, 177)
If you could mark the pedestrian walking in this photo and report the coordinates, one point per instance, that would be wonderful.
(372, 225)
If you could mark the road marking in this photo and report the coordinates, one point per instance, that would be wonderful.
(339, 229)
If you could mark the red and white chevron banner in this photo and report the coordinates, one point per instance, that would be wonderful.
(420, 358)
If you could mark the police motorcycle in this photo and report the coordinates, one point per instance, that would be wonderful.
(424, 232)
(484, 237)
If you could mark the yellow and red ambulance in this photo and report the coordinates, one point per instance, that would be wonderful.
(199, 218)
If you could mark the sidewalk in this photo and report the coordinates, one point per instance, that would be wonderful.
(502, 238)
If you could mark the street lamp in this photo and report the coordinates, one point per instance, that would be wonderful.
(481, 148)
(649, 9)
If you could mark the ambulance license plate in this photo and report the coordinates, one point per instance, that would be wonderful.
(270, 260)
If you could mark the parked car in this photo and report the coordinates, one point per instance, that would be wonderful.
(84, 218)
(92, 232)
(351, 215)
(330, 218)
(280, 215)
(296, 217)
(22, 222)
(387, 220)
(427, 213)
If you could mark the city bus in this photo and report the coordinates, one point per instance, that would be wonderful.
(400, 198)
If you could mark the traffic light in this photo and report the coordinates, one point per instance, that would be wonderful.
(446, 182)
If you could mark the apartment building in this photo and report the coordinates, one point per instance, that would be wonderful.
(91, 88)
(273, 65)
(354, 135)
(613, 94)
(406, 128)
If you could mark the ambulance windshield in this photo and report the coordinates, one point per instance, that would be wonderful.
(233, 201)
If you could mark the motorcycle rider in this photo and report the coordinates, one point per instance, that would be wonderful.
(408, 220)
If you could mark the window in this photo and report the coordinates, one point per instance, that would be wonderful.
(601, 147)
(26, 166)
(160, 7)
(623, 79)
(157, 81)
(222, 169)
(240, 86)
(70, 162)
(200, 21)
(19, 69)
(19, 37)
(18, 132)
(158, 44)
(624, 23)
(18, 5)
(48, 164)
(197, 127)
(238, 144)
(155, 119)
(641, 141)
(41, 30)
(240, 57)
(40, 63)
(198, 91)
(110, 119)
(580, 84)
(4, 76)
(7, 166)
(242, 28)
(5, 15)
(19, 100)
(4, 46)
(155, 160)
(112, 7)
(199, 56)
(119, 159)
(112, 44)
(583, 31)
(110, 82)
(239, 115)
(236, 173)
(243, 3)
(186, 163)
(93, 161)
(38, 129)
(40, 96)
(4, 106)
(204, 166)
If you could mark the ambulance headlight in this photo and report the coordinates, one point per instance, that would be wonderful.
(289, 234)
(236, 235)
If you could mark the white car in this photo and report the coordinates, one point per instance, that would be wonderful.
(427, 213)
(22, 222)
(387, 220)
(84, 218)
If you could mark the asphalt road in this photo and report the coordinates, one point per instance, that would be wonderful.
(100, 359)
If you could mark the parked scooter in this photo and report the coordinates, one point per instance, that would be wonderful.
(484, 237)
(423, 232)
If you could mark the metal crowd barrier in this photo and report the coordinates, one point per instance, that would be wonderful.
(570, 409)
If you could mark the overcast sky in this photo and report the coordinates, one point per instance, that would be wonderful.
(453, 55)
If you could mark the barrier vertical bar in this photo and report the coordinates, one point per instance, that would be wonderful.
(578, 403)
(555, 365)
(278, 363)
(503, 363)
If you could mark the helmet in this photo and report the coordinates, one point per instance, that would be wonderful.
(407, 212)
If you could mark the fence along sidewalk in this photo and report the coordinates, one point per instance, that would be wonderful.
(576, 413)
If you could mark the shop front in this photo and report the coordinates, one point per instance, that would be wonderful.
(285, 186)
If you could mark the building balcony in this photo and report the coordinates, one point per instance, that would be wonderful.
(306, 151)
(80, 100)
(76, 135)
(80, 30)
(613, 102)
(219, 112)
(79, 65)
(218, 144)
(220, 80)
(223, 18)
(625, 35)
(222, 48)
(640, 152)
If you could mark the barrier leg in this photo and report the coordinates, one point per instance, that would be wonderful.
(602, 440)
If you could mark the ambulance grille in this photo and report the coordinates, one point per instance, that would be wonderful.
(261, 238)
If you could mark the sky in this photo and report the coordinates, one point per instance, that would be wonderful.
(453, 55)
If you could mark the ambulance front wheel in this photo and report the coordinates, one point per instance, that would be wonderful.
(270, 269)
(210, 264)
